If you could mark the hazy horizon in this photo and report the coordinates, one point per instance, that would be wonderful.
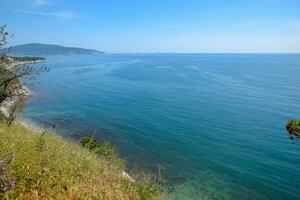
(162, 52)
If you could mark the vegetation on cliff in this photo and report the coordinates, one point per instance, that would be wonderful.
(100, 148)
(293, 127)
(45, 166)
(12, 91)
(35, 165)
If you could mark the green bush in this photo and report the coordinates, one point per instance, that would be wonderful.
(102, 149)
(293, 127)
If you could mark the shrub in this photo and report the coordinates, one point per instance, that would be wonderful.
(293, 127)
(101, 149)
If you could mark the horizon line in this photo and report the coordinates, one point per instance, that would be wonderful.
(163, 52)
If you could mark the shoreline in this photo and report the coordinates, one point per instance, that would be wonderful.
(21, 93)
(49, 159)
(34, 126)
(29, 124)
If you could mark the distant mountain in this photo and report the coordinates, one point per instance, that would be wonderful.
(49, 49)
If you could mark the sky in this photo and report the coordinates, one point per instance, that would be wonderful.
(157, 26)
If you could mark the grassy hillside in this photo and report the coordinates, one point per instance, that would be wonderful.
(45, 166)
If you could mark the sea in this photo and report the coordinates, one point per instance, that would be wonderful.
(209, 126)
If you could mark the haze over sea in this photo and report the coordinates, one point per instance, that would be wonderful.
(215, 122)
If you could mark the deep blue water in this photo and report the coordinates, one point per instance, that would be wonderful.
(215, 122)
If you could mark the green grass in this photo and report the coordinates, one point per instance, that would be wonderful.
(46, 166)
(104, 149)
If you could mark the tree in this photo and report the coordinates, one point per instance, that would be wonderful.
(11, 73)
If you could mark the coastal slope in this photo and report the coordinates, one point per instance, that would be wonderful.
(46, 166)
(19, 91)
(39, 164)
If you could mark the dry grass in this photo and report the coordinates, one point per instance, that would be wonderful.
(49, 167)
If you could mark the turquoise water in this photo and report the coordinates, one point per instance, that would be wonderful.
(214, 122)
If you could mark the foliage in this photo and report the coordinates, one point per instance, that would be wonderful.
(27, 58)
(4, 36)
(11, 74)
(49, 167)
(102, 149)
(293, 127)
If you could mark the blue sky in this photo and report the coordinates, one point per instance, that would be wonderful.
(157, 25)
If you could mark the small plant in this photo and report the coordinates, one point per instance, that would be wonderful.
(6, 183)
(147, 191)
(293, 127)
(41, 143)
(102, 149)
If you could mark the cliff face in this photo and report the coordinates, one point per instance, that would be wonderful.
(19, 91)
(19, 95)
(18, 61)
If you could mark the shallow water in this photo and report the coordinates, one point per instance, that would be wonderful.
(215, 122)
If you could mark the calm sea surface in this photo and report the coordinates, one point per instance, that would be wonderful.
(214, 122)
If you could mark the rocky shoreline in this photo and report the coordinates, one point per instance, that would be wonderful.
(20, 93)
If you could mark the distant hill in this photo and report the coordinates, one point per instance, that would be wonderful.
(49, 49)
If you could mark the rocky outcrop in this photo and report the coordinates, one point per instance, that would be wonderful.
(19, 92)
(18, 96)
